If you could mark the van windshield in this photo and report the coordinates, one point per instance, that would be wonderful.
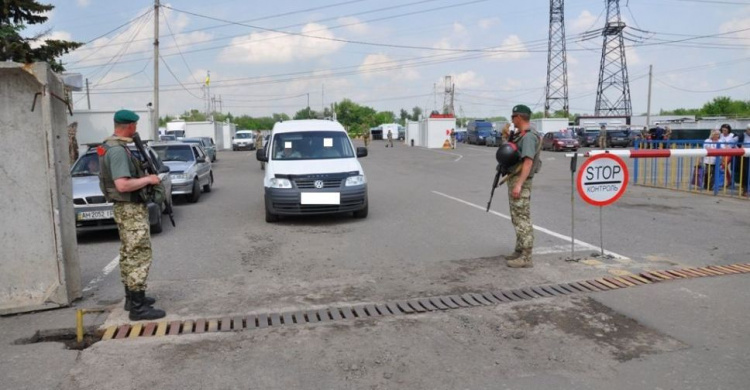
(311, 145)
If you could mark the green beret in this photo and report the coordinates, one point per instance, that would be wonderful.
(521, 109)
(126, 117)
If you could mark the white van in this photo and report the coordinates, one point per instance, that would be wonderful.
(243, 139)
(312, 168)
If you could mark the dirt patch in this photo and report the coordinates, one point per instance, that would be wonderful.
(624, 337)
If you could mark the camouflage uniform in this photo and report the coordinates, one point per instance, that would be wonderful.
(135, 243)
(73, 142)
(390, 139)
(520, 209)
(131, 213)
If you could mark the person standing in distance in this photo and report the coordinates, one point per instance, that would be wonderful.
(528, 142)
(390, 139)
(121, 179)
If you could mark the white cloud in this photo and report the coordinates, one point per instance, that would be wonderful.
(459, 28)
(273, 47)
(583, 22)
(486, 24)
(55, 35)
(379, 61)
(354, 25)
(83, 3)
(741, 23)
(468, 79)
(511, 49)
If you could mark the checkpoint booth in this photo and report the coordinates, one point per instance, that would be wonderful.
(435, 132)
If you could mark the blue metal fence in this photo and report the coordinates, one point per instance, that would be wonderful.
(723, 176)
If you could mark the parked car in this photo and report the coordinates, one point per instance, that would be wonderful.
(559, 140)
(588, 138)
(167, 138)
(617, 138)
(210, 146)
(312, 168)
(243, 139)
(203, 144)
(93, 212)
(190, 168)
(634, 136)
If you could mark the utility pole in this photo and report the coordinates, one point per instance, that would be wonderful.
(155, 115)
(208, 93)
(88, 98)
(220, 110)
(648, 109)
(308, 101)
(557, 64)
(323, 97)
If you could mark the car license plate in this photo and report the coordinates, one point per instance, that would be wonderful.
(320, 198)
(94, 215)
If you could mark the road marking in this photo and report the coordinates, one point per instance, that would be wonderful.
(107, 270)
(442, 152)
(578, 243)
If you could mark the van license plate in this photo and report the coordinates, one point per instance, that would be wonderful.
(320, 198)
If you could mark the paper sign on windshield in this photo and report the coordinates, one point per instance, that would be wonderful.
(327, 142)
(287, 145)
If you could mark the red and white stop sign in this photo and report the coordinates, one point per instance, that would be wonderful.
(602, 179)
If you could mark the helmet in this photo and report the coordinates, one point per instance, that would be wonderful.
(507, 154)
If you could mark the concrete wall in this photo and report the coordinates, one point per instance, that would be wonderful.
(228, 131)
(412, 133)
(39, 258)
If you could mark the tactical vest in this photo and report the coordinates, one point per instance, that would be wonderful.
(537, 164)
(107, 183)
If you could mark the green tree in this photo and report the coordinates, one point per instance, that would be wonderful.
(416, 112)
(193, 116)
(305, 113)
(404, 115)
(14, 16)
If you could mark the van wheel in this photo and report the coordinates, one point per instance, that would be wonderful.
(207, 187)
(270, 217)
(196, 194)
(361, 214)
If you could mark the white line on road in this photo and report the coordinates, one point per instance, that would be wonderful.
(442, 152)
(579, 243)
(107, 270)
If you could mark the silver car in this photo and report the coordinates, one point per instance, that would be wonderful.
(190, 168)
(93, 212)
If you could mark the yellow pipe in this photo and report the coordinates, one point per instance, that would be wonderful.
(79, 321)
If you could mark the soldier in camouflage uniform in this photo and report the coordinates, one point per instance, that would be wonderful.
(73, 142)
(122, 179)
(519, 186)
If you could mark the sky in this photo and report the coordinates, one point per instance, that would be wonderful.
(272, 56)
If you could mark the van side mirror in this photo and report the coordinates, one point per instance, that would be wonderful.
(361, 152)
(260, 155)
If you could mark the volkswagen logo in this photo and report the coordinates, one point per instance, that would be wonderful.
(318, 183)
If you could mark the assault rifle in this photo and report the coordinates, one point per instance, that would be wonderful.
(151, 169)
(497, 183)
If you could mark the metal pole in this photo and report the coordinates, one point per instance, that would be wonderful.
(88, 98)
(601, 230)
(648, 109)
(573, 168)
(155, 117)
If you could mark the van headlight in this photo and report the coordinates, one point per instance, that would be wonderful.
(355, 180)
(280, 183)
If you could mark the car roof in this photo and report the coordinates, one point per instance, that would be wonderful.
(170, 143)
(307, 125)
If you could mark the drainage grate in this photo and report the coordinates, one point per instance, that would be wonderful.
(410, 306)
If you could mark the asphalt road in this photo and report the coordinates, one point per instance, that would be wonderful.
(427, 234)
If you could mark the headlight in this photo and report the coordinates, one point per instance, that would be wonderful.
(179, 176)
(280, 183)
(355, 180)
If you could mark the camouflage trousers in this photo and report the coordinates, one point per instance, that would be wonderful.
(520, 215)
(135, 244)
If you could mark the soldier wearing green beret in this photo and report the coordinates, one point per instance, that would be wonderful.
(121, 179)
(529, 144)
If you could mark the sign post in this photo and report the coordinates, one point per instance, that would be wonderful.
(601, 181)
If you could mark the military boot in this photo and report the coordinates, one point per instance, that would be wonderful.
(149, 301)
(513, 256)
(522, 261)
(139, 310)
